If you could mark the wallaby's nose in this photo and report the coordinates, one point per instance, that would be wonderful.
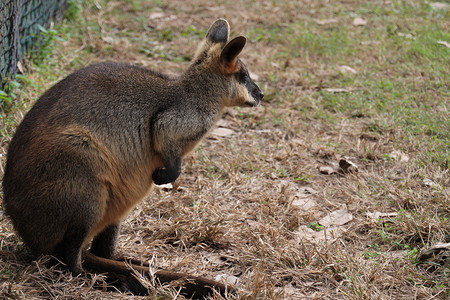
(261, 94)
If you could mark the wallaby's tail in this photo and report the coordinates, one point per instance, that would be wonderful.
(121, 272)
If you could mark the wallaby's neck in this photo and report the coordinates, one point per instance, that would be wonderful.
(203, 85)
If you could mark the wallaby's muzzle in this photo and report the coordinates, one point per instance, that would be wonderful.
(256, 95)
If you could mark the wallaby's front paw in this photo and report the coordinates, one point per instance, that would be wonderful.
(160, 176)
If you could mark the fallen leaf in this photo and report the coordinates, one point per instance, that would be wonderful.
(306, 233)
(170, 187)
(220, 131)
(337, 218)
(262, 130)
(347, 69)
(359, 22)
(347, 166)
(370, 43)
(308, 191)
(304, 203)
(396, 254)
(227, 279)
(214, 8)
(430, 183)
(223, 123)
(339, 90)
(275, 65)
(214, 258)
(290, 292)
(327, 170)
(253, 224)
(299, 197)
(165, 187)
(439, 5)
(406, 35)
(326, 21)
(156, 15)
(436, 253)
(446, 44)
(298, 142)
(20, 67)
(399, 156)
(281, 155)
(274, 175)
(377, 214)
(108, 39)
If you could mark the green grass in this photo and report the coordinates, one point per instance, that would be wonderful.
(414, 96)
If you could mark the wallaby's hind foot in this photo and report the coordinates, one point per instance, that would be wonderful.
(126, 284)
(69, 251)
(121, 275)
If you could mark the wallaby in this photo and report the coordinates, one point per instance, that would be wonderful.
(94, 145)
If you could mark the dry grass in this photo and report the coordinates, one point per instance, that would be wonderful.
(250, 204)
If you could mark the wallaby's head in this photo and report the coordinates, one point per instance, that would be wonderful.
(220, 55)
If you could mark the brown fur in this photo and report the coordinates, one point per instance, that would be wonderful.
(94, 144)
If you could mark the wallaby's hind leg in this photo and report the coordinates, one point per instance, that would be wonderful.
(70, 248)
(104, 244)
(127, 283)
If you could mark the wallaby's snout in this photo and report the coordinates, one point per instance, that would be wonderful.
(261, 95)
(254, 92)
(256, 95)
(249, 91)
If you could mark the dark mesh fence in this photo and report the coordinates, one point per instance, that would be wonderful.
(20, 25)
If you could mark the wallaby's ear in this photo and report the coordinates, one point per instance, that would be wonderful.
(219, 31)
(230, 52)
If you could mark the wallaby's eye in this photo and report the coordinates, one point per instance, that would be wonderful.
(242, 77)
